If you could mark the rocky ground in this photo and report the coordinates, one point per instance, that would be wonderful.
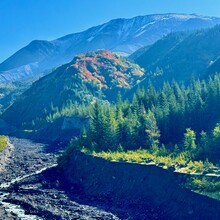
(24, 157)
(21, 157)
(40, 195)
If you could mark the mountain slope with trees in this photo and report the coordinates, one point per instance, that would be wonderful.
(91, 76)
(180, 56)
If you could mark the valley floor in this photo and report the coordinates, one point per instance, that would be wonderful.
(35, 195)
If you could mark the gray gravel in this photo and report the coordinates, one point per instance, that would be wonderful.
(39, 194)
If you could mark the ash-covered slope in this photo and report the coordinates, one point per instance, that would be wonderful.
(124, 36)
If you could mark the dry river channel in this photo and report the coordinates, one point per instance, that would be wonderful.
(30, 188)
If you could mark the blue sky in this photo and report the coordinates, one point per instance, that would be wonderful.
(25, 20)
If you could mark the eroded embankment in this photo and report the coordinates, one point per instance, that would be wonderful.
(140, 188)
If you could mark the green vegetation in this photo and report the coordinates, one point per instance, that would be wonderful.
(172, 119)
(205, 185)
(141, 156)
(159, 156)
(3, 142)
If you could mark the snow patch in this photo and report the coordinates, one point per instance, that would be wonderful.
(90, 39)
(164, 19)
(102, 27)
(183, 17)
(139, 34)
(143, 27)
(120, 33)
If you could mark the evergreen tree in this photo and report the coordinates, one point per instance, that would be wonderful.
(189, 140)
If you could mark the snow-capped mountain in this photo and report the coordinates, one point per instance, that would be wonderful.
(123, 36)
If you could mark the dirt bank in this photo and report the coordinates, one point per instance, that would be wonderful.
(142, 189)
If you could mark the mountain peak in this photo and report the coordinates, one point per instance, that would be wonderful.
(123, 36)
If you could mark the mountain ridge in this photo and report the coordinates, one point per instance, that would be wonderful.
(118, 35)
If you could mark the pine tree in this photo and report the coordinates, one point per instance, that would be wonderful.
(189, 140)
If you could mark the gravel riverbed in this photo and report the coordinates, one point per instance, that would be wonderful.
(37, 196)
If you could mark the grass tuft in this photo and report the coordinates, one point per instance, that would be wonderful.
(3, 142)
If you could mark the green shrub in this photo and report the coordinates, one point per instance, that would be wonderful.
(195, 167)
(203, 184)
(3, 142)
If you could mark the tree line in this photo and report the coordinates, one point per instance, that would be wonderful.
(181, 117)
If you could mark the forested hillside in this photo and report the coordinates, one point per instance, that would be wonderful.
(182, 55)
(214, 67)
(95, 75)
(175, 115)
